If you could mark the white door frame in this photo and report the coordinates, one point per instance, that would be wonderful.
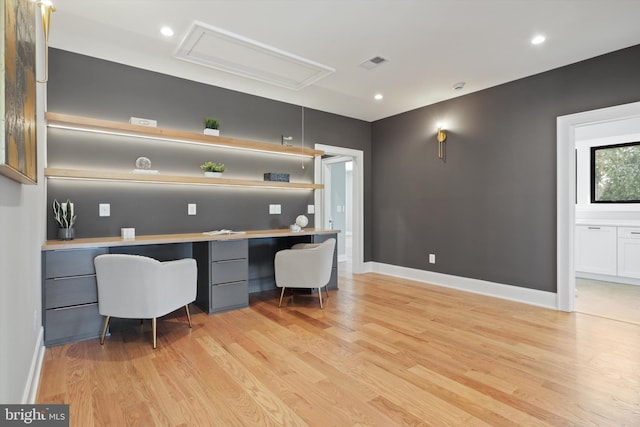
(357, 157)
(566, 192)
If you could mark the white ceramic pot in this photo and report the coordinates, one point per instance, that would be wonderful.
(213, 174)
(214, 132)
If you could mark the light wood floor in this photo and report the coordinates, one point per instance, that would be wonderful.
(384, 352)
(611, 300)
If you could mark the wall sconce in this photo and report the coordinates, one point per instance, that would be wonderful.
(441, 137)
(46, 7)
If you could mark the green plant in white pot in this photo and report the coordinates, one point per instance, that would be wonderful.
(65, 217)
(211, 126)
(212, 169)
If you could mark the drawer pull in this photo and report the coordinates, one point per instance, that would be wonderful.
(73, 306)
(228, 260)
(594, 228)
(72, 277)
(635, 232)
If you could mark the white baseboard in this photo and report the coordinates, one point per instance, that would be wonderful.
(482, 287)
(33, 380)
(607, 278)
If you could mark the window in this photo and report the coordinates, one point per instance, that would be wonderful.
(615, 173)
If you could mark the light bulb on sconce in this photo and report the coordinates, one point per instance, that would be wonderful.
(441, 136)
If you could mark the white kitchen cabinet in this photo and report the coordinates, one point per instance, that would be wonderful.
(596, 249)
(629, 252)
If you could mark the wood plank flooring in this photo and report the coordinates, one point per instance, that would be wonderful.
(383, 352)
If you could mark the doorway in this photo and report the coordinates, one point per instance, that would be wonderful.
(337, 176)
(567, 127)
(340, 205)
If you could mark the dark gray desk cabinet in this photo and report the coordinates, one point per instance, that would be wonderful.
(223, 267)
(70, 296)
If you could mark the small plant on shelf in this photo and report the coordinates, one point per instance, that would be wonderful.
(211, 126)
(65, 217)
(212, 167)
(211, 123)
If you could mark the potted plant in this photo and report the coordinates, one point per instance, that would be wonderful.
(65, 217)
(211, 126)
(212, 169)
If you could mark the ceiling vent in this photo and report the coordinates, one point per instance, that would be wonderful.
(372, 63)
(225, 51)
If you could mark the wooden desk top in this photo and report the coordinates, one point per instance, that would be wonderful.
(101, 242)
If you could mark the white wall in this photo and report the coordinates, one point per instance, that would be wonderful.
(22, 222)
(20, 298)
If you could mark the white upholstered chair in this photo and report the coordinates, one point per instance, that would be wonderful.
(138, 287)
(305, 265)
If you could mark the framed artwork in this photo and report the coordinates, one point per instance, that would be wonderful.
(18, 147)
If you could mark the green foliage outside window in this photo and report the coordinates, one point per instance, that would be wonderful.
(616, 174)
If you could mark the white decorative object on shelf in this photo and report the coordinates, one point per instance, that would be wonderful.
(301, 222)
(143, 165)
(143, 122)
(213, 132)
(213, 174)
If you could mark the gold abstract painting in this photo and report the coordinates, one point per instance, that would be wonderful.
(18, 147)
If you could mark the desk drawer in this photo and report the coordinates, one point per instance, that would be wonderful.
(228, 249)
(70, 291)
(229, 271)
(70, 262)
(69, 324)
(229, 296)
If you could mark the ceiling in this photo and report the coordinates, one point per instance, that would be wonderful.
(429, 44)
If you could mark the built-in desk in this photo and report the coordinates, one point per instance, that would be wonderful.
(230, 267)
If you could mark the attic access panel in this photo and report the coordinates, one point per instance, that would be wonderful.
(223, 50)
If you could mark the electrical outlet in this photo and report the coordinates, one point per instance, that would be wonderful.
(432, 258)
(104, 209)
(311, 209)
(191, 209)
(275, 209)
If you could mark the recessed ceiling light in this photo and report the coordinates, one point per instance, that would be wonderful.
(459, 85)
(166, 31)
(378, 96)
(538, 39)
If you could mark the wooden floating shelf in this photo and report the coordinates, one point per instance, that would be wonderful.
(103, 175)
(118, 128)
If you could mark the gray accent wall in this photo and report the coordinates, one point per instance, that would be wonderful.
(489, 211)
(90, 87)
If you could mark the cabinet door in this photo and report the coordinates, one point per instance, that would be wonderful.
(629, 252)
(596, 249)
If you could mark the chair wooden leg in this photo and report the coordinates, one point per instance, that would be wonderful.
(153, 327)
(281, 295)
(320, 297)
(104, 330)
(186, 307)
(326, 289)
